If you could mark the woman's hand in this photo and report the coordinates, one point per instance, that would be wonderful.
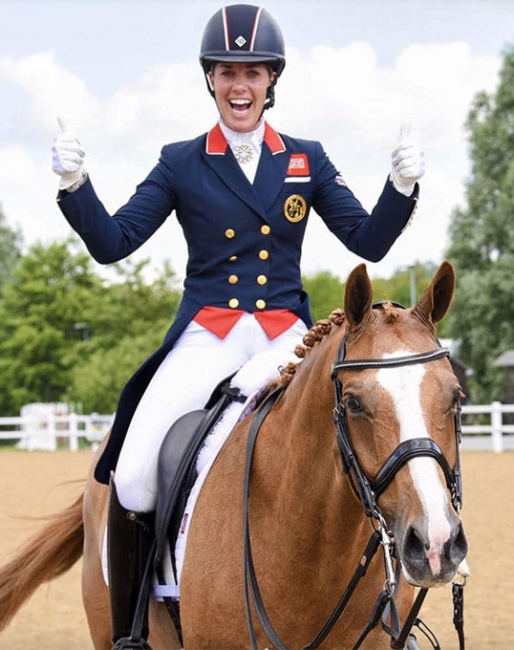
(408, 162)
(68, 159)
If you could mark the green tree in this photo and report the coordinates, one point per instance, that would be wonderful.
(60, 323)
(127, 323)
(46, 295)
(326, 293)
(10, 250)
(482, 239)
(96, 383)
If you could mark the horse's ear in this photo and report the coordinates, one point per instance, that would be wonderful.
(358, 295)
(435, 301)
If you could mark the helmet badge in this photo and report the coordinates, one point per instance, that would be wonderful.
(240, 40)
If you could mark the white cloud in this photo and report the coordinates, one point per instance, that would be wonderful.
(340, 96)
(50, 89)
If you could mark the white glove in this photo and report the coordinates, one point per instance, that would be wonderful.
(408, 162)
(68, 159)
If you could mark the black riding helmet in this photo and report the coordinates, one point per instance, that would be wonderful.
(243, 34)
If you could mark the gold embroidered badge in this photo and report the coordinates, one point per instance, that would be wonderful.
(295, 208)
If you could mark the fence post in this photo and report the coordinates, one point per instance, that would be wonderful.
(52, 432)
(73, 432)
(496, 427)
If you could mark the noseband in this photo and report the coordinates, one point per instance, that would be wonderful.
(368, 490)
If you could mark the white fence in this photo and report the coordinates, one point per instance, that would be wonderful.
(493, 435)
(483, 429)
(50, 431)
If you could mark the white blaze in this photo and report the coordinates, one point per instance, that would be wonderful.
(404, 386)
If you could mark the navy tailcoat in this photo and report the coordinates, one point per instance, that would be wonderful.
(234, 229)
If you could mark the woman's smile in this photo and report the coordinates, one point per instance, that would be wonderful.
(241, 90)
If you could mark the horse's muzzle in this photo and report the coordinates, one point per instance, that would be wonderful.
(428, 563)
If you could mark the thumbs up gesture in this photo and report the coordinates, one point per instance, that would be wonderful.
(408, 162)
(68, 158)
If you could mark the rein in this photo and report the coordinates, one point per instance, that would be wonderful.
(368, 492)
(252, 591)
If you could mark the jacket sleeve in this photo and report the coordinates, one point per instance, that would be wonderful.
(112, 238)
(368, 235)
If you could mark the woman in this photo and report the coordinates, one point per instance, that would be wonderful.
(242, 194)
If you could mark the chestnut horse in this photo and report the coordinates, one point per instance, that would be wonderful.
(296, 509)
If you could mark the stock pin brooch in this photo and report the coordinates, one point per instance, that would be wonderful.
(243, 153)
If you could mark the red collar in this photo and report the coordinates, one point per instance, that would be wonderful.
(217, 143)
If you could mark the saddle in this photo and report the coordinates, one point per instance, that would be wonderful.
(176, 469)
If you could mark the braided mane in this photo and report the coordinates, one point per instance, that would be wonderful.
(316, 334)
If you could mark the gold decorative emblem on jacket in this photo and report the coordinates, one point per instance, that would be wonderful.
(295, 208)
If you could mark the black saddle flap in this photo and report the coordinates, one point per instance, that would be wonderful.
(178, 450)
(175, 471)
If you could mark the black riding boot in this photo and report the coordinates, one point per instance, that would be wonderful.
(129, 538)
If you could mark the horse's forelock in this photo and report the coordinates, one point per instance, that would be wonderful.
(391, 312)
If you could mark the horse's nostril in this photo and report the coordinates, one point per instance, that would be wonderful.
(457, 550)
(414, 547)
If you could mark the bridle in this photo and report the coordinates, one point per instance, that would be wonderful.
(367, 490)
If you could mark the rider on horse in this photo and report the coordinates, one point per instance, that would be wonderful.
(242, 194)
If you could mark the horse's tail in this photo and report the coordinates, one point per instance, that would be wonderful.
(47, 555)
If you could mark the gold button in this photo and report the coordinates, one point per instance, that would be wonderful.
(263, 255)
(233, 258)
(229, 233)
(260, 304)
(262, 279)
(233, 279)
(233, 303)
(265, 230)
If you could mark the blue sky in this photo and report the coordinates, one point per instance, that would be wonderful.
(126, 76)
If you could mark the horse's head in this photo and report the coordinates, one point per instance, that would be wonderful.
(400, 411)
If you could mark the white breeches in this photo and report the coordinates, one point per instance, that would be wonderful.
(184, 382)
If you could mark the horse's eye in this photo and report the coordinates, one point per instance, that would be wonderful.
(457, 396)
(352, 404)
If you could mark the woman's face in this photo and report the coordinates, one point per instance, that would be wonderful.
(240, 92)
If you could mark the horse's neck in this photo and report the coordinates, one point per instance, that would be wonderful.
(300, 463)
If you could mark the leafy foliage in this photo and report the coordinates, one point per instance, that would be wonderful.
(482, 240)
(60, 323)
(10, 250)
